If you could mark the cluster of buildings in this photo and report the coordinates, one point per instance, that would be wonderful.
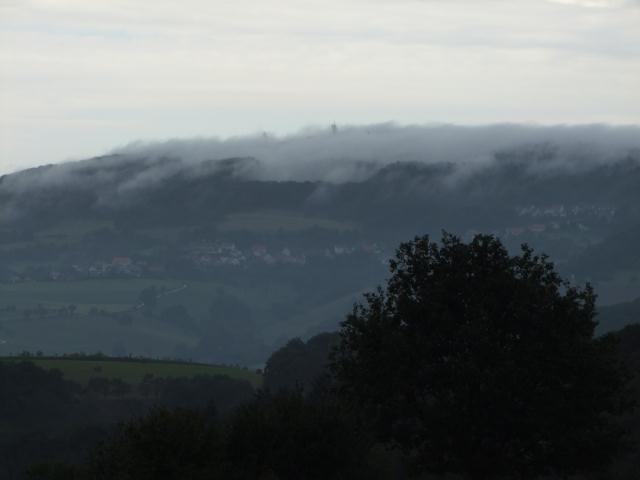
(204, 255)
(553, 218)
(535, 228)
(214, 254)
(561, 211)
(529, 229)
(119, 266)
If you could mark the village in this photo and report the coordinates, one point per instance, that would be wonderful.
(208, 255)
(202, 256)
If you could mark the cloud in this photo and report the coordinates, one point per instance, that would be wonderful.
(81, 76)
(596, 3)
(356, 152)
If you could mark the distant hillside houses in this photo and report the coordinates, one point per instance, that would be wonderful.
(601, 212)
(119, 265)
(202, 255)
(213, 254)
(121, 262)
(535, 228)
(513, 231)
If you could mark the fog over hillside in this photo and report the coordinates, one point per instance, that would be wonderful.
(460, 177)
(319, 239)
(248, 241)
(334, 156)
(353, 153)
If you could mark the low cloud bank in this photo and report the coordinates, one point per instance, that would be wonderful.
(331, 155)
(352, 153)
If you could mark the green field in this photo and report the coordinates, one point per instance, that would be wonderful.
(132, 372)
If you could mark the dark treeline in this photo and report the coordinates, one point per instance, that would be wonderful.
(47, 418)
(471, 363)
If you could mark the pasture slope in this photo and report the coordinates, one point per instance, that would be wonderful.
(132, 371)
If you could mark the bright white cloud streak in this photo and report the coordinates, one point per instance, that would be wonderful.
(78, 78)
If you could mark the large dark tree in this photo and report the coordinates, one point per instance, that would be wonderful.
(484, 364)
(289, 437)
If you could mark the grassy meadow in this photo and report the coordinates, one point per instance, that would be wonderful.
(133, 371)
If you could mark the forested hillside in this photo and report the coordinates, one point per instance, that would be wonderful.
(220, 251)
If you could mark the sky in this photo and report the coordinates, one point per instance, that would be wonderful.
(80, 78)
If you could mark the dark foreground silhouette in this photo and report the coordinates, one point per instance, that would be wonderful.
(470, 362)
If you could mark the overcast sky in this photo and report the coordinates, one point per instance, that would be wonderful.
(79, 77)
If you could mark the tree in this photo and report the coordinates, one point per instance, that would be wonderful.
(628, 466)
(163, 445)
(479, 363)
(30, 395)
(298, 364)
(286, 436)
(54, 471)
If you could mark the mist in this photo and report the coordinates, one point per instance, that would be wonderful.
(353, 153)
(331, 155)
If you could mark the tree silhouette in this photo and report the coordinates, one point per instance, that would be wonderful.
(298, 364)
(483, 364)
(286, 436)
(165, 444)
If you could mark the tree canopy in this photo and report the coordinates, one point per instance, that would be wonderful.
(298, 364)
(482, 363)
